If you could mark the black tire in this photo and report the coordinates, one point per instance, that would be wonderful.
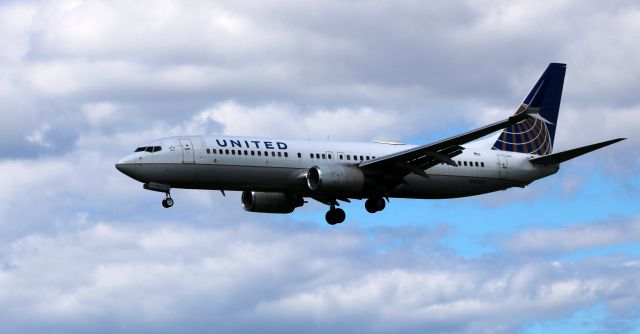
(330, 217)
(169, 201)
(339, 215)
(370, 206)
(164, 204)
(379, 203)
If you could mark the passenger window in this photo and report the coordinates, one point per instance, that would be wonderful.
(233, 152)
(317, 156)
(214, 151)
(208, 151)
(259, 153)
(324, 156)
(140, 149)
(340, 156)
(299, 155)
(348, 157)
(476, 164)
(226, 151)
(245, 152)
(465, 163)
(373, 157)
(253, 153)
(329, 156)
(286, 155)
(311, 155)
(361, 158)
(482, 164)
(280, 154)
(367, 157)
(266, 154)
(273, 154)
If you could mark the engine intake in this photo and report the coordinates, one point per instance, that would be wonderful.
(268, 202)
(335, 178)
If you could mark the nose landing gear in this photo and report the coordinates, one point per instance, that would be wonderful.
(168, 201)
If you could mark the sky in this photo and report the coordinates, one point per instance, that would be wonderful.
(84, 248)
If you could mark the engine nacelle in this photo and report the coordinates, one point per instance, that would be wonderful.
(335, 178)
(270, 202)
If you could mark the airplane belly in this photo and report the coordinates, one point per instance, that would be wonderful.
(448, 186)
(233, 177)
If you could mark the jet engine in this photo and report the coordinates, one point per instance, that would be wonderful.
(335, 178)
(268, 202)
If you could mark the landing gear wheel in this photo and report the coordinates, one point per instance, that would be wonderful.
(340, 215)
(335, 216)
(167, 202)
(330, 217)
(374, 204)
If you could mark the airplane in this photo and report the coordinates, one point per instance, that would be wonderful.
(276, 175)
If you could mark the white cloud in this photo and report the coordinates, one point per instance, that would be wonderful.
(168, 60)
(84, 249)
(282, 120)
(38, 136)
(98, 114)
(246, 276)
(575, 237)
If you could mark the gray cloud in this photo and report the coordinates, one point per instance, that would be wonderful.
(247, 276)
(169, 61)
(82, 248)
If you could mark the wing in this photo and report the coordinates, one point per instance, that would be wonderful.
(394, 167)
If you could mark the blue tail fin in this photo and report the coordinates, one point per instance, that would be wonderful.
(534, 135)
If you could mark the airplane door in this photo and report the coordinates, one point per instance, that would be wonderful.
(503, 168)
(187, 151)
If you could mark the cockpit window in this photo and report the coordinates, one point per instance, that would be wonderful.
(149, 149)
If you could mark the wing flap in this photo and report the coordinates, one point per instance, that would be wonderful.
(560, 157)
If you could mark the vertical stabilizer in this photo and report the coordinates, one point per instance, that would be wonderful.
(535, 134)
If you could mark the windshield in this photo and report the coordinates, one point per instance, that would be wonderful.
(150, 149)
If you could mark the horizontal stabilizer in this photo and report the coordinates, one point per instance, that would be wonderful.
(559, 157)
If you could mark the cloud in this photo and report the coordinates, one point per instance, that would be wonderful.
(169, 61)
(171, 276)
(83, 248)
(281, 120)
(576, 237)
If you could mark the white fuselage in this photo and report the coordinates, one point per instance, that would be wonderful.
(281, 165)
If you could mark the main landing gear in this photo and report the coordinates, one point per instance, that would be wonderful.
(335, 215)
(168, 201)
(374, 204)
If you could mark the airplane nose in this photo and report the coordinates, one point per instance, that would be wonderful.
(126, 166)
(120, 167)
